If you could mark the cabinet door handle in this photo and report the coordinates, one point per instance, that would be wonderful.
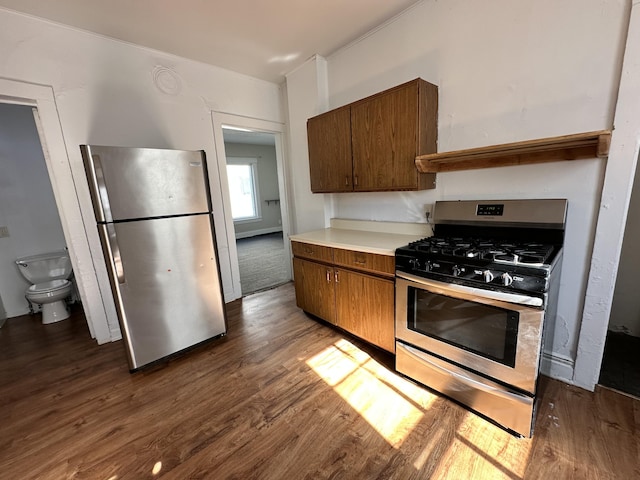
(355, 180)
(346, 180)
(328, 276)
(336, 277)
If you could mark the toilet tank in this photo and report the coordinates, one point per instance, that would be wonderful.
(45, 266)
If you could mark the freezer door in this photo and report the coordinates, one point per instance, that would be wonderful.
(166, 283)
(131, 183)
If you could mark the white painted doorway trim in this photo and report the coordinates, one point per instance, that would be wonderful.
(614, 207)
(42, 98)
(278, 129)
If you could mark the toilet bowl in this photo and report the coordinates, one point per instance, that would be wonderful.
(49, 274)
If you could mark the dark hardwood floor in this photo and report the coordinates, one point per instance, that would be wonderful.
(282, 396)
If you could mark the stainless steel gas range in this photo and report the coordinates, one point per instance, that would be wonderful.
(472, 302)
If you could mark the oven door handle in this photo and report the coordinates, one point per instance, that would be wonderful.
(417, 354)
(478, 292)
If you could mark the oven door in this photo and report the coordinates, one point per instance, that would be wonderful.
(491, 336)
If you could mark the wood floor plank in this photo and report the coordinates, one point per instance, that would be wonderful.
(281, 396)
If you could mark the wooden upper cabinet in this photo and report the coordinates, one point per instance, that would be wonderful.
(387, 131)
(329, 137)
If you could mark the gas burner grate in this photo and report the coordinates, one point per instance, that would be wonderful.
(526, 253)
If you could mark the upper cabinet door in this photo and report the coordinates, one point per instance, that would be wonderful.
(386, 132)
(384, 140)
(329, 138)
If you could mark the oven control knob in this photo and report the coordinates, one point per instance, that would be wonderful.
(506, 279)
(488, 276)
(415, 263)
(456, 270)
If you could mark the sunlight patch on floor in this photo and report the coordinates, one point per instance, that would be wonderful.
(383, 399)
(431, 443)
(485, 450)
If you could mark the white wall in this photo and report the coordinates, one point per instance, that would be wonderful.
(506, 71)
(270, 220)
(306, 97)
(27, 205)
(108, 93)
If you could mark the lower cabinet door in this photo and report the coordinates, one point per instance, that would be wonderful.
(365, 307)
(314, 284)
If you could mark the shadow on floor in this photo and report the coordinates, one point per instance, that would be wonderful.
(621, 363)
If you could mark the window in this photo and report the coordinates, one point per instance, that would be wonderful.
(243, 189)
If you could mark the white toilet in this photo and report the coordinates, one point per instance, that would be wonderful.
(49, 274)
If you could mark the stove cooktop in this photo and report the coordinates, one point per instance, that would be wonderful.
(530, 254)
(502, 245)
(505, 265)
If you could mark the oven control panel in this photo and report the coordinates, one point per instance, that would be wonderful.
(494, 210)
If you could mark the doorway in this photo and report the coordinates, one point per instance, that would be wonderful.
(29, 219)
(247, 131)
(620, 368)
(254, 193)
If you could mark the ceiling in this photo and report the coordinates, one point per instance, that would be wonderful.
(262, 38)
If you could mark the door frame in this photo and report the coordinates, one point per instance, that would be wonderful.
(42, 99)
(219, 120)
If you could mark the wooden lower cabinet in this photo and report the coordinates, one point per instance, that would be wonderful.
(365, 307)
(358, 302)
(315, 292)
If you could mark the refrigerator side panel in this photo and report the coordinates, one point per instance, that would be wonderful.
(167, 284)
(132, 183)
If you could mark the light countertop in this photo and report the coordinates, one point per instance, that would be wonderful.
(372, 237)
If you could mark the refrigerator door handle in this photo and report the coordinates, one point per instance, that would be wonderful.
(115, 252)
(98, 174)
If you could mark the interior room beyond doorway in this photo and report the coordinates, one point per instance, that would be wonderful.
(254, 190)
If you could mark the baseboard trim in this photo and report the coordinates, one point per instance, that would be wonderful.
(19, 313)
(254, 233)
(557, 366)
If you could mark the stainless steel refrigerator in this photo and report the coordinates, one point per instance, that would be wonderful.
(155, 222)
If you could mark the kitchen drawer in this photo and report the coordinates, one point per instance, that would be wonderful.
(370, 262)
(312, 252)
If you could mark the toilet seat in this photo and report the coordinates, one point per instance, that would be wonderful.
(52, 286)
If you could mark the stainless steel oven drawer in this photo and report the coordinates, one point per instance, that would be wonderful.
(505, 406)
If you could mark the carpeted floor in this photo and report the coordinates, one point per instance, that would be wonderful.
(621, 363)
(262, 262)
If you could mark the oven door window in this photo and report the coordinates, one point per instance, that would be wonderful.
(488, 331)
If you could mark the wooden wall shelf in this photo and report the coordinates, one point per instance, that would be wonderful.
(553, 149)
